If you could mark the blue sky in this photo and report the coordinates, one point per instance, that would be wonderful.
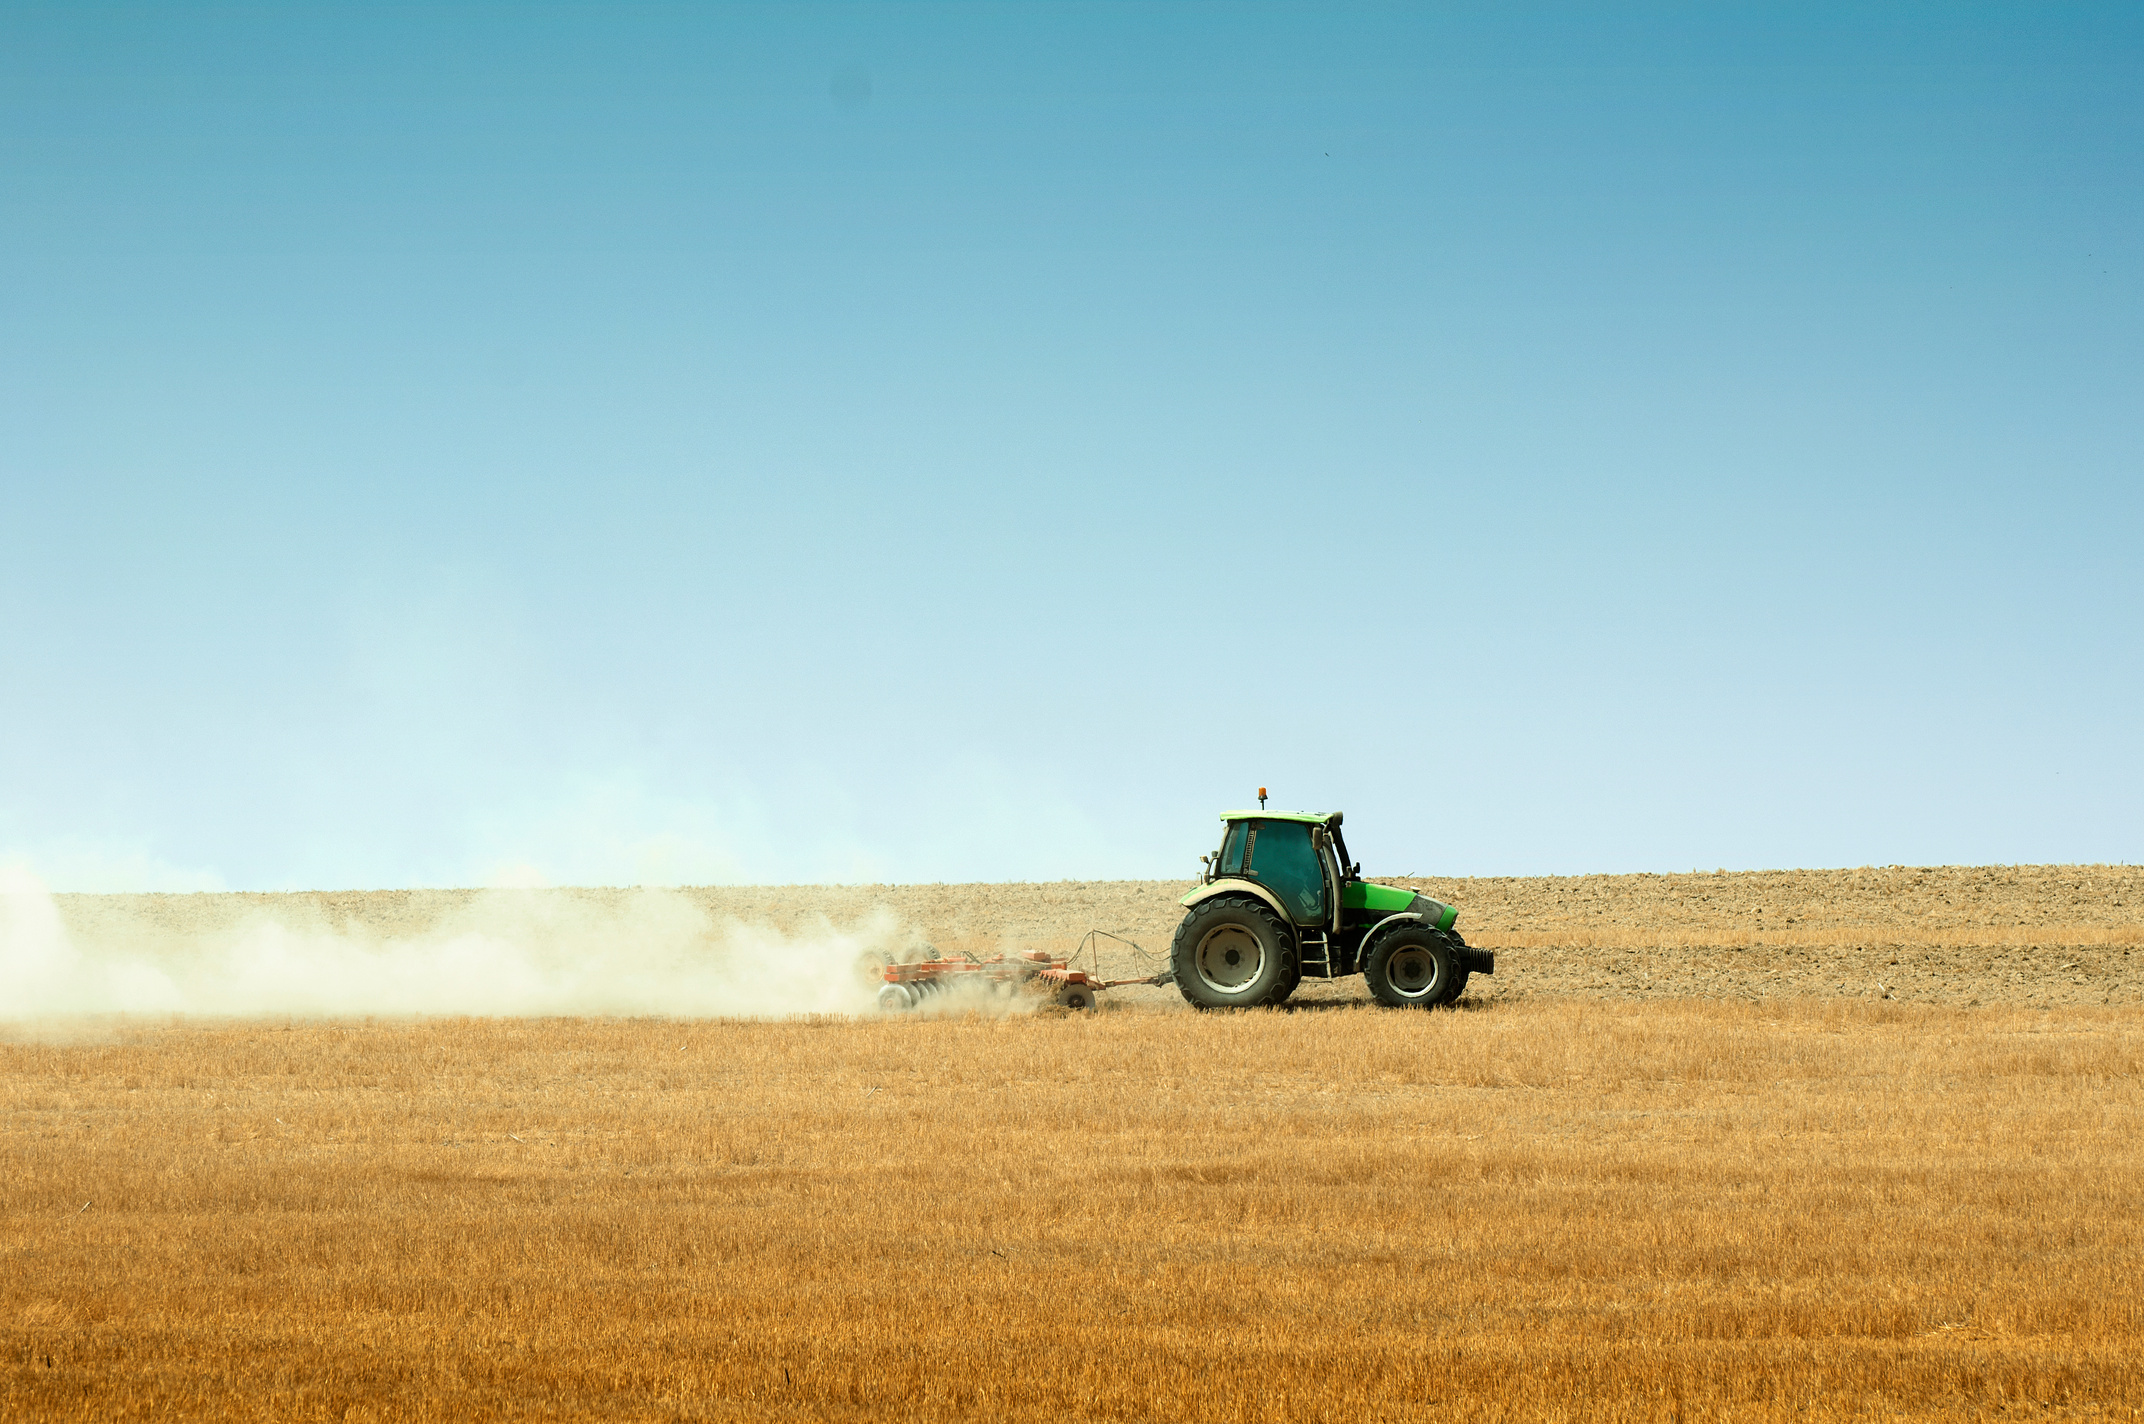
(456, 445)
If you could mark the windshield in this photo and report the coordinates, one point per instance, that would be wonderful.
(1231, 859)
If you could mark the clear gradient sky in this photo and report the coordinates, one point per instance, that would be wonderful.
(444, 444)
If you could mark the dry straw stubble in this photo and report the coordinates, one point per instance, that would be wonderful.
(1540, 1209)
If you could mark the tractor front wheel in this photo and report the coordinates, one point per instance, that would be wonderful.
(1414, 968)
(1233, 953)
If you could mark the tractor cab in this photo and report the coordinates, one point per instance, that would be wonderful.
(1298, 858)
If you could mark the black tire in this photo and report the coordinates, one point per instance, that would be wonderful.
(1414, 968)
(1233, 953)
(1460, 972)
(1295, 982)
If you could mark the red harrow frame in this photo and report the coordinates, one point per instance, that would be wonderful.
(1006, 977)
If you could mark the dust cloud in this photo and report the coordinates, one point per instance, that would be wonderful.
(506, 953)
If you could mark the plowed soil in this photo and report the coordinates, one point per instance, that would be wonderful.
(2040, 935)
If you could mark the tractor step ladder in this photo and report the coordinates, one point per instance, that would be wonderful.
(1317, 955)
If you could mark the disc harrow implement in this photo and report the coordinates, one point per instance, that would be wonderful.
(1005, 978)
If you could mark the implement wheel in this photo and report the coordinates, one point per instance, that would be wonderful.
(1232, 953)
(1415, 968)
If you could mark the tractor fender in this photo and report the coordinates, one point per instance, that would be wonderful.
(1369, 936)
(1434, 913)
(1237, 887)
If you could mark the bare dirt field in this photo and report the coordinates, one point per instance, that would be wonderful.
(2039, 934)
(1662, 1166)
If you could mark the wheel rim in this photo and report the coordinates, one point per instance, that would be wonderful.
(1230, 959)
(1412, 972)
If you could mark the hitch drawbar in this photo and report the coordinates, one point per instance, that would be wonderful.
(911, 986)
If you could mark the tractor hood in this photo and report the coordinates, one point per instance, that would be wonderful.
(1391, 900)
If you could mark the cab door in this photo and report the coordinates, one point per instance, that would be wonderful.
(1282, 856)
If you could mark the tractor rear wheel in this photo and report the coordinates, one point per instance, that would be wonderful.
(1414, 968)
(1233, 953)
(1294, 982)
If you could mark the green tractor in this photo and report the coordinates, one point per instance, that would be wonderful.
(1281, 902)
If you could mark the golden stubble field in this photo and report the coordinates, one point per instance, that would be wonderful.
(1545, 1205)
(1540, 1210)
